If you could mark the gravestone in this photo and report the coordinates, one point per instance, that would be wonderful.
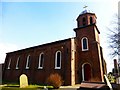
(23, 81)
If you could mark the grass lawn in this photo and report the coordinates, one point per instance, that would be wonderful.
(16, 87)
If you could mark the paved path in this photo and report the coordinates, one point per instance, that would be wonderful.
(74, 87)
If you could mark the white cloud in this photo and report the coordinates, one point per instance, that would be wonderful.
(5, 48)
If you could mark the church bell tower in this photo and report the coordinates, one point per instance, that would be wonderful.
(89, 58)
(86, 18)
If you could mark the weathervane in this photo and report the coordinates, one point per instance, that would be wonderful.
(85, 6)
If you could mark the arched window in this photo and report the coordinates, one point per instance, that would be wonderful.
(58, 60)
(9, 63)
(41, 61)
(28, 62)
(84, 21)
(84, 42)
(91, 20)
(17, 63)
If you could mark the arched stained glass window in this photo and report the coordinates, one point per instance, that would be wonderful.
(28, 62)
(84, 44)
(17, 63)
(41, 61)
(9, 63)
(58, 60)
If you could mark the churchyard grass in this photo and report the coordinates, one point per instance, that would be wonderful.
(17, 87)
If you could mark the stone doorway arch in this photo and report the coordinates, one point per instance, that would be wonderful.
(86, 72)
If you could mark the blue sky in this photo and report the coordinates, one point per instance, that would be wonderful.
(26, 24)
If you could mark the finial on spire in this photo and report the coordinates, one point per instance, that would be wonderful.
(86, 10)
(85, 6)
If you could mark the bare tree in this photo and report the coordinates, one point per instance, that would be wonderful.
(114, 37)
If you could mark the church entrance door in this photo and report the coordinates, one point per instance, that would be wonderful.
(86, 72)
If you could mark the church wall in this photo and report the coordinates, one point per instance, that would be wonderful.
(34, 74)
(100, 64)
(78, 53)
(73, 50)
(92, 56)
(103, 62)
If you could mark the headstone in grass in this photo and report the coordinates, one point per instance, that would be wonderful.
(23, 81)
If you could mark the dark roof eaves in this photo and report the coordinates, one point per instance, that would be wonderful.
(87, 26)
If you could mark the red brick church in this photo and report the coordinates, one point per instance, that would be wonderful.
(75, 59)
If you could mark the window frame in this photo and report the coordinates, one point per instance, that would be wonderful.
(17, 63)
(28, 62)
(83, 44)
(56, 60)
(9, 64)
(39, 63)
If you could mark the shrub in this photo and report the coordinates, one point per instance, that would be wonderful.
(54, 80)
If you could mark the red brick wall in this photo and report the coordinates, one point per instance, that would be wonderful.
(91, 56)
(39, 75)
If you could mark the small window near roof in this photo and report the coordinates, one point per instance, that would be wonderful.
(58, 60)
(84, 42)
(41, 61)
